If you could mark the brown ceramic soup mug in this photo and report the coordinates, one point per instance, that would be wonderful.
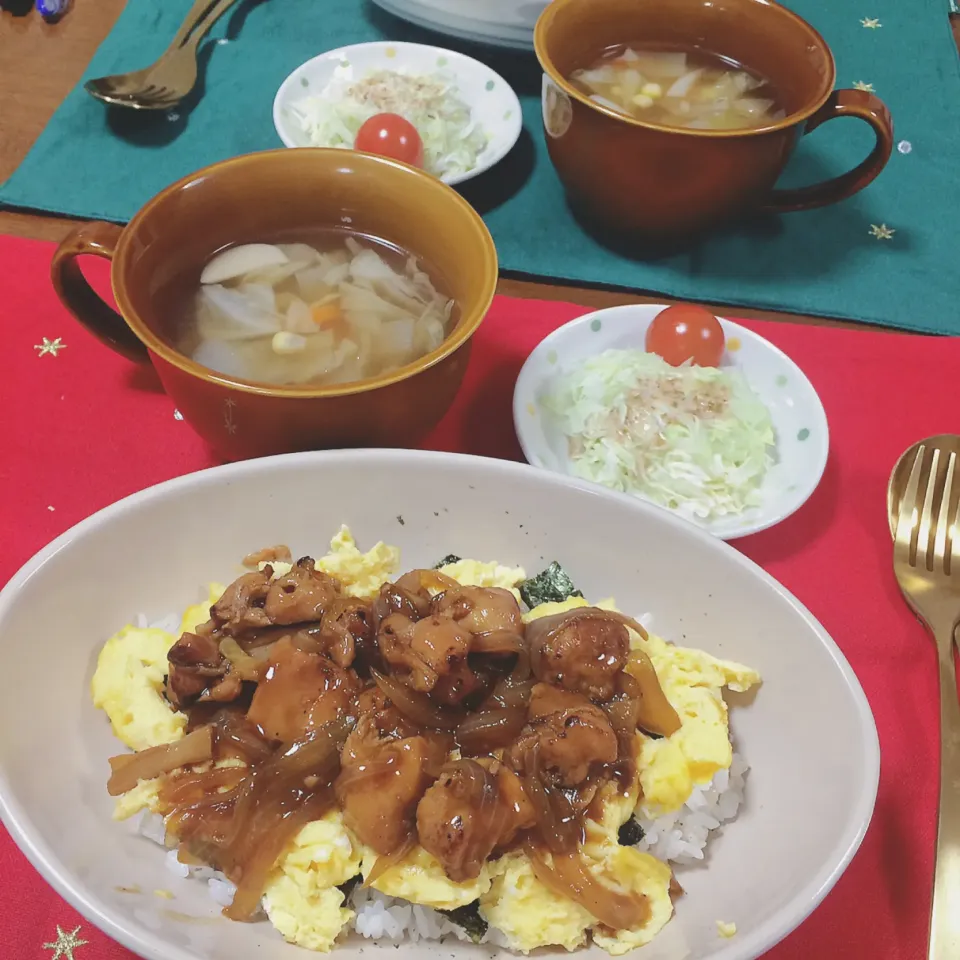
(671, 183)
(158, 258)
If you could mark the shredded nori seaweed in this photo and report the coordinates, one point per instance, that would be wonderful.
(630, 834)
(469, 919)
(349, 886)
(449, 558)
(552, 585)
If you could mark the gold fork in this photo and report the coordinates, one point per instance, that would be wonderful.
(926, 561)
(169, 79)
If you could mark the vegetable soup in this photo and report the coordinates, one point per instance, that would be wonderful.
(341, 308)
(680, 88)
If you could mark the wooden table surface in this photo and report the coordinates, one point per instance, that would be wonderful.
(40, 63)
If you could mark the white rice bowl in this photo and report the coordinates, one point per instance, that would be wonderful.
(705, 594)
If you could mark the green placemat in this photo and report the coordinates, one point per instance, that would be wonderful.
(886, 256)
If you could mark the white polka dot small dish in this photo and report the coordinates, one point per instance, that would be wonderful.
(467, 115)
(794, 418)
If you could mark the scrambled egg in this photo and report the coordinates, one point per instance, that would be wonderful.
(144, 796)
(200, 612)
(527, 912)
(726, 930)
(127, 686)
(692, 680)
(420, 879)
(128, 681)
(360, 574)
(302, 898)
(644, 874)
(476, 573)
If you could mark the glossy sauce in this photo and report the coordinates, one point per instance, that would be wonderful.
(315, 735)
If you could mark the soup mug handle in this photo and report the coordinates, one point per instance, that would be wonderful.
(842, 103)
(99, 240)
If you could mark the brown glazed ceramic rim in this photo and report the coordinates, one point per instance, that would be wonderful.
(461, 334)
(539, 43)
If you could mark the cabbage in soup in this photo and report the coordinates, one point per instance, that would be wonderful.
(691, 89)
(342, 309)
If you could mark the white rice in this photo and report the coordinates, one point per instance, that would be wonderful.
(382, 917)
(680, 837)
(151, 826)
(221, 890)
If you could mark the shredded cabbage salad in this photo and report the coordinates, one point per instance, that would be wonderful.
(452, 140)
(694, 439)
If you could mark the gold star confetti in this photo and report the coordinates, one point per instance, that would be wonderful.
(869, 23)
(881, 231)
(50, 346)
(860, 85)
(65, 944)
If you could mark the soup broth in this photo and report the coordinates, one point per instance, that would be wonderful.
(680, 88)
(340, 308)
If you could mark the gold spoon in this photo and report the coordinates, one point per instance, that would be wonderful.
(168, 80)
(923, 500)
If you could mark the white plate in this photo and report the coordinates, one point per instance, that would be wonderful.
(808, 734)
(491, 99)
(802, 436)
(502, 23)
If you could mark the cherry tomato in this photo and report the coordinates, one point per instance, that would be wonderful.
(390, 135)
(686, 332)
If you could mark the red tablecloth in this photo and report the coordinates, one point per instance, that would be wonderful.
(80, 428)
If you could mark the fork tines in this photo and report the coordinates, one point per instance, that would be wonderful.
(930, 512)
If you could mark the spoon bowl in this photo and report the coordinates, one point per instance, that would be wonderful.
(164, 83)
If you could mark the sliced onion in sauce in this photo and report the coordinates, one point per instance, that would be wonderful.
(521, 671)
(128, 769)
(623, 711)
(488, 730)
(512, 694)
(189, 788)
(556, 821)
(656, 714)
(269, 846)
(498, 641)
(384, 862)
(235, 735)
(570, 877)
(278, 785)
(241, 663)
(417, 706)
(355, 776)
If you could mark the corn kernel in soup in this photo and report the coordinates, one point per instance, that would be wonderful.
(343, 308)
(692, 89)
